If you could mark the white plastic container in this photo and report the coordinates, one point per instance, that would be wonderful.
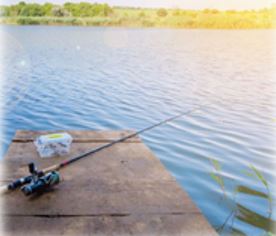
(53, 144)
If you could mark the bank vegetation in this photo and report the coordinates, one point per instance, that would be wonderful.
(87, 14)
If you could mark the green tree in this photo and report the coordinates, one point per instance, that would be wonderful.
(214, 11)
(59, 12)
(4, 11)
(14, 10)
(176, 12)
(231, 11)
(207, 11)
(32, 10)
(47, 9)
(70, 7)
(107, 10)
(142, 14)
(85, 9)
(162, 12)
(21, 4)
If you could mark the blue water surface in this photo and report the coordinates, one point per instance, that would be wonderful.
(116, 78)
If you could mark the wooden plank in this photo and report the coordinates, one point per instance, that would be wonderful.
(144, 224)
(121, 161)
(78, 135)
(108, 177)
(123, 189)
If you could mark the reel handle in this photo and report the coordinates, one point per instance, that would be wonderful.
(32, 168)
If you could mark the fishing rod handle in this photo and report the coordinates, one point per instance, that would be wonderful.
(51, 168)
(15, 184)
(24, 180)
(4, 189)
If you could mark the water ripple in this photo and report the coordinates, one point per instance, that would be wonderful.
(74, 78)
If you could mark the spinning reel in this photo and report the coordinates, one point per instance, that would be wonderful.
(37, 182)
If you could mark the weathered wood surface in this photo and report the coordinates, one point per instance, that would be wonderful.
(122, 190)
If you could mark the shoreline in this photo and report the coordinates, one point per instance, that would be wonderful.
(118, 22)
(94, 14)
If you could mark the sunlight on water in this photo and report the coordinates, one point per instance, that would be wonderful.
(114, 78)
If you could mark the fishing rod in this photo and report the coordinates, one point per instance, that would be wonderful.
(39, 181)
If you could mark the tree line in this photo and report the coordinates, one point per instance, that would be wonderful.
(82, 9)
(104, 15)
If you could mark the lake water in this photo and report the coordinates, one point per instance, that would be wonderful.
(116, 78)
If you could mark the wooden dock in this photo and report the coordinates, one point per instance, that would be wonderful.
(122, 190)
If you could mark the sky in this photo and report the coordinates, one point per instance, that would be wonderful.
(186, 4)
